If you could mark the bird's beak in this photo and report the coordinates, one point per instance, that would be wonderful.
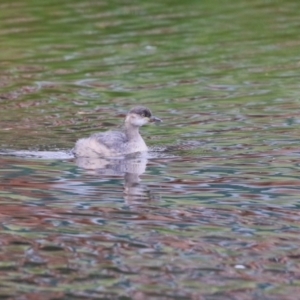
(155, 119)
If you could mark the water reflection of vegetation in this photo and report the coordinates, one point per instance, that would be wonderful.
(224, 77)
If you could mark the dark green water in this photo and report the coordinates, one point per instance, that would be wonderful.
(216, 216)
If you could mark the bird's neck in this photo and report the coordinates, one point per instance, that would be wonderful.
(132, 132)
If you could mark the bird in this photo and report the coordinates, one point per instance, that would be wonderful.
(115, 143)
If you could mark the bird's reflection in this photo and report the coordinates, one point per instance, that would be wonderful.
(131, 167)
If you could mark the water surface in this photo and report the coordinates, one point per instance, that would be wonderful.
(213, 216)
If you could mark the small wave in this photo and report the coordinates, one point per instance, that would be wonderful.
(67, 154)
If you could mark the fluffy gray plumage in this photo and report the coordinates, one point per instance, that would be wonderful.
(115, 143)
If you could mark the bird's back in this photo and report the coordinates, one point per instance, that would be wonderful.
(109, 143)
(111, 139)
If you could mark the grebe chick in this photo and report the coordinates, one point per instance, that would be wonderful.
(116, 143)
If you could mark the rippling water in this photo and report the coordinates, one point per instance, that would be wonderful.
(212, 212)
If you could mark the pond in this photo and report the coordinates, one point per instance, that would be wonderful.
(212, 212)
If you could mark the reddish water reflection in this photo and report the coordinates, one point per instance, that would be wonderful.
(218, 231)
